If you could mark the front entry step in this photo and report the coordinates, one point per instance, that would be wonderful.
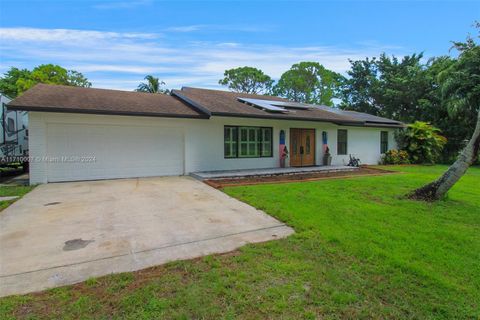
(211, 175)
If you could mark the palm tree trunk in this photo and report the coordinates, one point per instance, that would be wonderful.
(437, 189)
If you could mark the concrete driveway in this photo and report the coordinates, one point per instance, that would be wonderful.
(65, 233)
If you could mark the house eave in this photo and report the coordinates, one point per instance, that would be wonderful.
(272, 117)
(104, 112)
(201, 116)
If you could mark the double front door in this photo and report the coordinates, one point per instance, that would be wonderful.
(302, 147)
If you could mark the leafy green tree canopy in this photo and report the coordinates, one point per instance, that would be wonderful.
(16, 81)
(358, 91)
(406, 89)
(461, 89)
(460, 86)
(153, 85)
(8, 83)
(388, 87)
(247, 80)
(309, 82)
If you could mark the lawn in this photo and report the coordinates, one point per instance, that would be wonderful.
(360, 250)
(19, 191)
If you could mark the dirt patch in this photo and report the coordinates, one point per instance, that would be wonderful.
(296, 177)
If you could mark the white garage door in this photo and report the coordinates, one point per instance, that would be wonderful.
(118, 151)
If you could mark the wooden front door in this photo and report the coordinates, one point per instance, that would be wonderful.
(302, 147)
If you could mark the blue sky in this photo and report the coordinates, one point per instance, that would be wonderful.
(116, 43)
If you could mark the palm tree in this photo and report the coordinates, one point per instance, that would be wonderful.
(461, 85)
(438, 188)
(153, 85)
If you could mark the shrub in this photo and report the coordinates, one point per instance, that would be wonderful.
(422, 142)
(395, 156)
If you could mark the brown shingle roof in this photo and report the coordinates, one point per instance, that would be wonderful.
(55, 98)
(185, 103)
(370, 120)
(223, 103)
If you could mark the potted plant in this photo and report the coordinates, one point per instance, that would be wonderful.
(327, 158)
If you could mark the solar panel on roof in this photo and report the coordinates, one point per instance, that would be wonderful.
(263, 104)
(275, 106)
(289, 104)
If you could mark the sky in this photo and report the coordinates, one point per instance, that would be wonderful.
(115, 44)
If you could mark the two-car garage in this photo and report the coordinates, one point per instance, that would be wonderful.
(106, 151)
(78, 133)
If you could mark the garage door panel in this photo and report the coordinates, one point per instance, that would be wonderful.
(119, 151)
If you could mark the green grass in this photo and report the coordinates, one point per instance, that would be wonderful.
(13, 191)
(360, 250)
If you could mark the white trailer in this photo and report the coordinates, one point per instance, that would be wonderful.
(14, 135)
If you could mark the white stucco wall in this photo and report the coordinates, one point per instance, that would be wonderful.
(203, 140)
(205, 143)
(37, 145)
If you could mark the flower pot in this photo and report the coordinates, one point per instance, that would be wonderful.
(327, 160)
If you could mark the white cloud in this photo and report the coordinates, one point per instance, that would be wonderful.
(218, 28)
(185, 28)
(68, 35)
(121, 68)
(121, 60)
(113, 4)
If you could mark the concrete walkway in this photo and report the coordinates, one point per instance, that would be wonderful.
(205, 175)
(64, 233)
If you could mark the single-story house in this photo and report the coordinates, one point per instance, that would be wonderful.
(88, 134)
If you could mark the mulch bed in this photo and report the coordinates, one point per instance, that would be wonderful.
(296, 177)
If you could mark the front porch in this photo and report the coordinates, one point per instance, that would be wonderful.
(268, 172)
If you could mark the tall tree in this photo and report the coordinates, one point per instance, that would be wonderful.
(387, 87)
(461, 84)
(359, 88)
(153, 85)
(247, 80)
(8, 83)
(407, 89)
(402, 86)
(16, 81)
(52, 74)
(309, 82)
(454, 125)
